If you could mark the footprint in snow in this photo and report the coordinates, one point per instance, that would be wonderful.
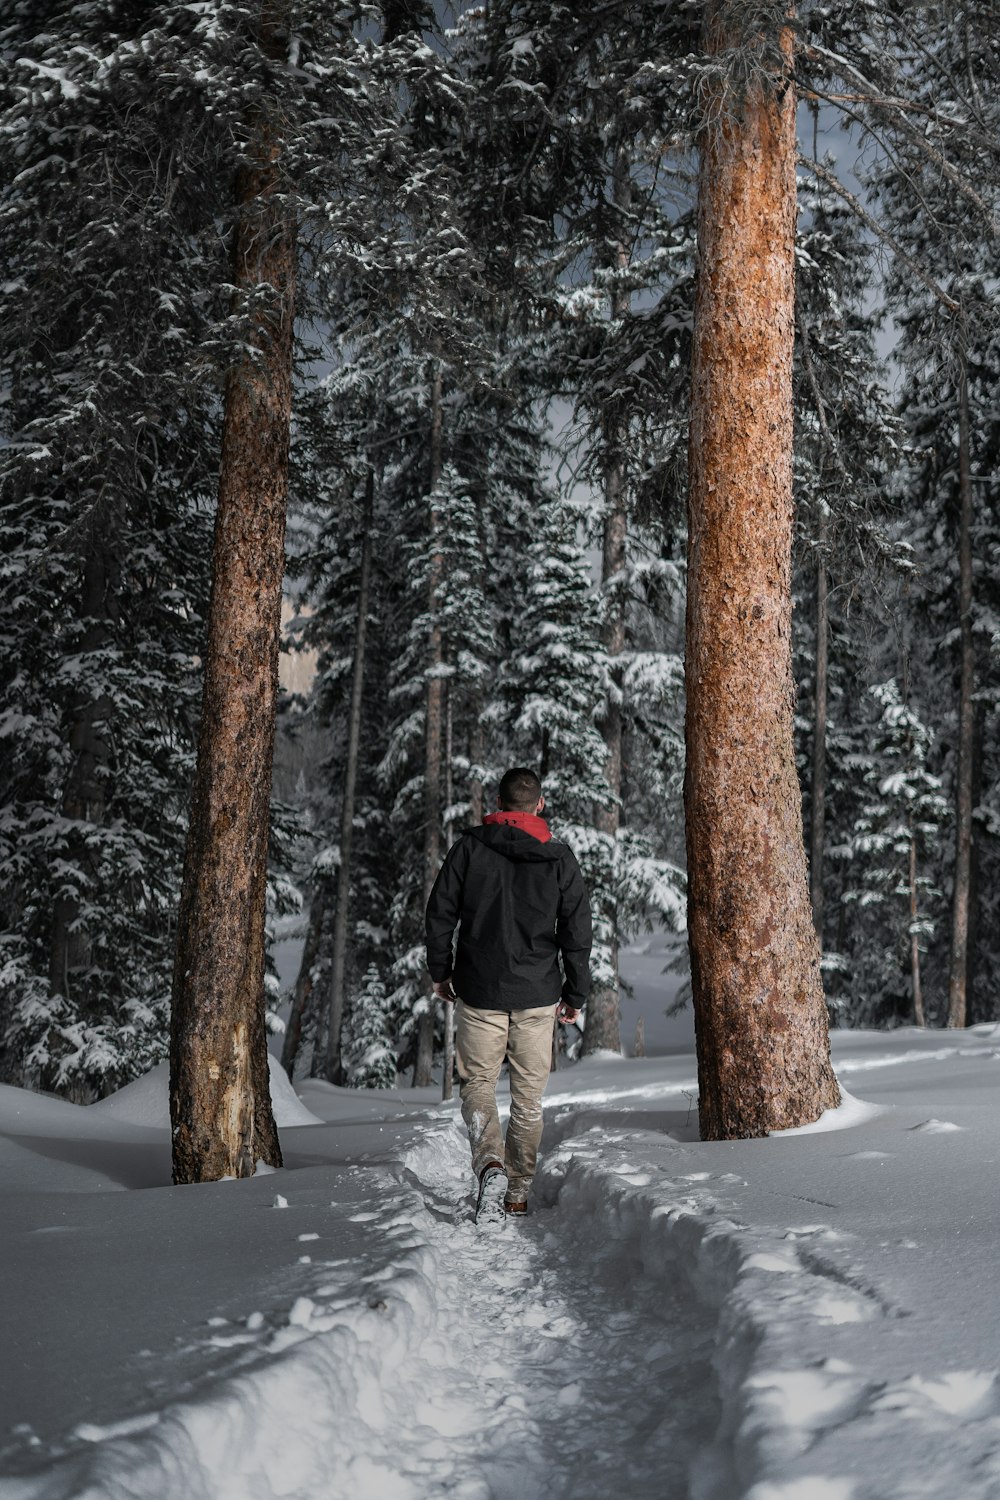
(956, 1393)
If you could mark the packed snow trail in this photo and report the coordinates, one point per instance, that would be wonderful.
(483, 1362)
(809, 1317)
(580, 1376)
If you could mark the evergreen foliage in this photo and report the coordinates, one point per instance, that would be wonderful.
(371, 1059)
(891, 848)
(502, 213)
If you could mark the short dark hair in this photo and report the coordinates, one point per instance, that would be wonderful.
(520, 789)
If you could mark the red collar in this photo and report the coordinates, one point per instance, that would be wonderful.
(527, 822)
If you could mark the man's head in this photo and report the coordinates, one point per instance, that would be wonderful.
(520, 791)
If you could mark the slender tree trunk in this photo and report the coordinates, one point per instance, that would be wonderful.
(476, 789)
(918, 994)
(602, 1026)
(817, 803)
(333, 1067)
(974, 953)
(220, 1104)
(958, 975)
(760, 1016)
(817, 810)
(433, 705)
(447, 1086)
(305, 982)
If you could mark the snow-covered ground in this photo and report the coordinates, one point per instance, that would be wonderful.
(810, 1317)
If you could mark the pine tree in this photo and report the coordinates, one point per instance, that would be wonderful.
(368, 1046)
(112, 338)
(896, 831)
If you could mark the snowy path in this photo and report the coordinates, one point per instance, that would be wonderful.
(811, 1317)
(561, 1368)
(435, 1358)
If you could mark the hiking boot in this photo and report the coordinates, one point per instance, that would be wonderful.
(487, 1175)
(515, 1206)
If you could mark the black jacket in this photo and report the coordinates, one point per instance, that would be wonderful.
(518, 903)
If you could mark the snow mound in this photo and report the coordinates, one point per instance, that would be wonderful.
(146, 1101)
(849, 1112)
(288, 1107)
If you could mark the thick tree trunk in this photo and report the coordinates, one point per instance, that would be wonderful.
(958, 975)
(433, 706)
(760, 1016)
(220, 1103)
(333, 1068)
(305, 982)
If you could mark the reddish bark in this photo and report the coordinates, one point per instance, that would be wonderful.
(219, 1092)
(761, 1023)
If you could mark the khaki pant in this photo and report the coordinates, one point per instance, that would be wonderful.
(483, 1039)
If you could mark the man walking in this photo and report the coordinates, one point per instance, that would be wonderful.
(519, 902)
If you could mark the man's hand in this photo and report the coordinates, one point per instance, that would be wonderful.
(567, 1014)
(444, 989)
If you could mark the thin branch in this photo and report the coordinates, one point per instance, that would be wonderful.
(887, 104)
(877, 229)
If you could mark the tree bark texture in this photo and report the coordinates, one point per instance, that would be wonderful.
(219, 1091)
(433, 729)
(760, 1015)
(334, 1069)
(958, 973)
(602, 1025)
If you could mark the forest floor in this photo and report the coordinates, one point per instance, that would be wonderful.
(808, 1317)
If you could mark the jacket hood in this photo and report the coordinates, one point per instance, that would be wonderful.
(528, 822)
(513, 843)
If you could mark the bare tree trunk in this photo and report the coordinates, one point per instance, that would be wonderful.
(817, 803)
(958, 975)
(220, 1103)
(447, 1086)
(433, 703)
(974, 959)
(639, 1045)
(817, 809)
(476, 789)
(602, 1025)
(333, 1067)
(760, 1016)
(305, 982)
(918, 994)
